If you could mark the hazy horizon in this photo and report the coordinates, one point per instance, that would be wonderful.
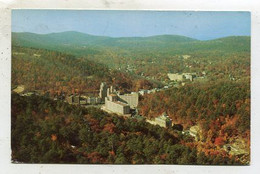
(136, 36)
(116, 24)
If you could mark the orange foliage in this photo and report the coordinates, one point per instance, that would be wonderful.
(53, 137)
(94, 124)
(163, 156)
(109, 127)
(112, 153)
(219, 141)
(95, 157)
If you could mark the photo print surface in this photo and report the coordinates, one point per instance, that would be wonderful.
(130, 87)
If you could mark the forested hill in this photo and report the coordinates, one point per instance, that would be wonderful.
(47, 131)
(81, 44)
(81, 39)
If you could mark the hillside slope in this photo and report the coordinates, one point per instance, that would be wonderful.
(54, 72)
(47, 131)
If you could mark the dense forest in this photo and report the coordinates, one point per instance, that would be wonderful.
(221, 109)
(47, 131)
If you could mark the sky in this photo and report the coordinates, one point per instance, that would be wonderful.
(198, 25)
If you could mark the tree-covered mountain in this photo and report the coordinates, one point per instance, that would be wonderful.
(73, 39)
(81, 39)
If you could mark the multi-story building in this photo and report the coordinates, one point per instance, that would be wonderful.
(131, 99)
(112, 104)
(119, 103)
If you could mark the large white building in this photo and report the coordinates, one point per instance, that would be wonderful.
(131, 99)
(118, 103)
(112, 104)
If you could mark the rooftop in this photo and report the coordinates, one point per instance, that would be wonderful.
(121, 103)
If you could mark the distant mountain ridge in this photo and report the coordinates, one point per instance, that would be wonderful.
(76, 33)
(72, 37)
(81, 44)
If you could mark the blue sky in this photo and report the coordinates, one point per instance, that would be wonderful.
(199, 25)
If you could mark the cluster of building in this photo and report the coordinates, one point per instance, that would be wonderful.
(113, 100)
(122, 104)
(116, 102)
(181, 76)
(126, 103)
